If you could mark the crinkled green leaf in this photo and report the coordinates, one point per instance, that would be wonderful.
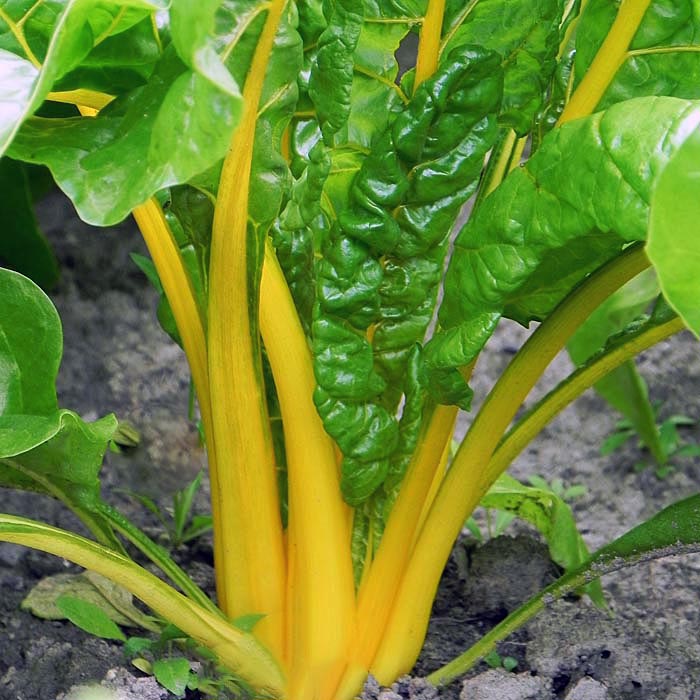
(375, 98)
(331, 78)
(581, 197)
(22, 244)
(293, 234)
(383, 256)
(653, 67)
(673, 245)
(525, 34)
(60, 34)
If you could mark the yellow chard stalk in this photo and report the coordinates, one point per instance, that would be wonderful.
(253, 558)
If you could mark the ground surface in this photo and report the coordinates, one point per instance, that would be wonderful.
(117, 359)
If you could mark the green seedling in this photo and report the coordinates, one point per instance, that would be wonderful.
(558, 488)
(670, 441)
(179, 524)
(297, 198)
(495, 660)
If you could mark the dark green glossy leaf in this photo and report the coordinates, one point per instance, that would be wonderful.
(331, 78)
(293, 234)
(22, 245)
(665, 53)
(525, 34)
(383, 257)
(557, 218)
(673, 245)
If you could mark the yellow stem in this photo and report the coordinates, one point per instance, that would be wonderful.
(437, 480)
(429, 45)
(252, 541)
(321, 594)
(467, 480)
(611, 55)
(501, 169)
(86, 98)
(178, 289)
(238, 651)
(377, 593)
(531, 425)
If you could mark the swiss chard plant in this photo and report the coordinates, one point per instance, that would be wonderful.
(297, 195)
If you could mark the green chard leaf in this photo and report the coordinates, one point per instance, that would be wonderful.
(40, 43)
(293, 233)
(330, 83)
(123, 56)
(526, 34)
(664, 56)
(360, 70)
(42, 448)
(673, 245)
(555, 220)
(383, 256)
(174, 128)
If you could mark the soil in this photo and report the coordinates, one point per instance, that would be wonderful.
(117, 359)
